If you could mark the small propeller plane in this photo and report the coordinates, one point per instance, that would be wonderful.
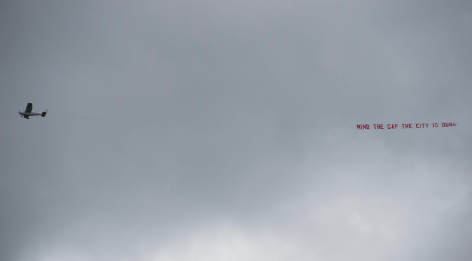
(28, 112)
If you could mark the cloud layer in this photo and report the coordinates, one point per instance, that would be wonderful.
(259, 184)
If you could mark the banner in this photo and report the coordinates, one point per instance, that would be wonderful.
(405, 126)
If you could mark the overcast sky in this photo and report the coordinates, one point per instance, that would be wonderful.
(259, 184)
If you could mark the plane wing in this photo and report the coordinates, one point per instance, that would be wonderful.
(29, 107)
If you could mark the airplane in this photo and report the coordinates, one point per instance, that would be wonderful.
(27, 113)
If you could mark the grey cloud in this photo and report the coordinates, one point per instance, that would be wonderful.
(136, 190)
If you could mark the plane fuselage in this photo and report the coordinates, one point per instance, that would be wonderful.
(27, 114)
